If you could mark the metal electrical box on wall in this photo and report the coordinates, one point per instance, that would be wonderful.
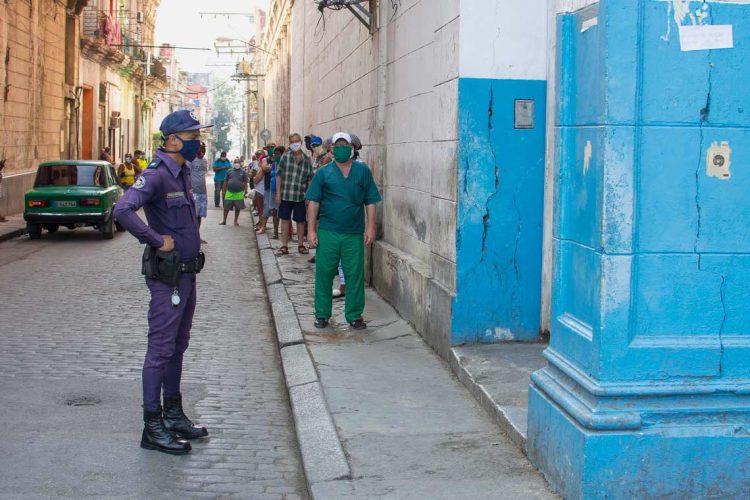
(524, 114)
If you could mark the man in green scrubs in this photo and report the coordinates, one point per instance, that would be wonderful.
(341, 192)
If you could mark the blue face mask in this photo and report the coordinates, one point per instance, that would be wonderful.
(189, 149)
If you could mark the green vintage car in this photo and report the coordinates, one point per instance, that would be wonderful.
(72, 193)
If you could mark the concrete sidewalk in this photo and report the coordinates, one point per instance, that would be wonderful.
(405, 424)
(12, 227)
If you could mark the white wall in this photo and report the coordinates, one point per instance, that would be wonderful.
(397, 90)
(516, 49)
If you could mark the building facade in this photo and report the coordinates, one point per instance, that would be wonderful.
(75, 77)
(573, 167)
(462, 181)
(38, 90)
(118, 76)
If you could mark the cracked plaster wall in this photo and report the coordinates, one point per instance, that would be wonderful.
(500, 172)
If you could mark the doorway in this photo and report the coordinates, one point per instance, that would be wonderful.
(87, 146)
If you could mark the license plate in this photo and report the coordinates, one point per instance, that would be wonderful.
(66, 204)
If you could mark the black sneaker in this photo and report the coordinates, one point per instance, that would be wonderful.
(321, 323)
(358, 324)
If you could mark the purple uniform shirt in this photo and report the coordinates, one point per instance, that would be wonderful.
(164, 191)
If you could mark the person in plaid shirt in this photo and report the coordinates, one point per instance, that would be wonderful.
(293, 175)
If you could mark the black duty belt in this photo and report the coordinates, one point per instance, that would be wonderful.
(193, 266)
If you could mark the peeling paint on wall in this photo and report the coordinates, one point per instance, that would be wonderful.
(587, 151)
(499, 335)
(680, 11)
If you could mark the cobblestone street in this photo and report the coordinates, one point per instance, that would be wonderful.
(72, 341)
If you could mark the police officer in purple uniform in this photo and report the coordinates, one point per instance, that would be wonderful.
(164, 191)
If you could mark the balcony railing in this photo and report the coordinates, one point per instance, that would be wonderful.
(107, 40)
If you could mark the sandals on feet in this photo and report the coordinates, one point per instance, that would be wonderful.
(283, 250)
(303, 249)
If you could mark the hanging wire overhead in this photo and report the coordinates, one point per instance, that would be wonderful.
(336, 4)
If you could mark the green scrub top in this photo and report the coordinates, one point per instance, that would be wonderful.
(343, 199)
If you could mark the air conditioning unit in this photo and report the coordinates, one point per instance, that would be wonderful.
(115, 121)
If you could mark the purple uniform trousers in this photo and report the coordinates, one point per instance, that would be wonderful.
(168, 338)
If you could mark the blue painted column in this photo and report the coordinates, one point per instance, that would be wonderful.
(647, 392)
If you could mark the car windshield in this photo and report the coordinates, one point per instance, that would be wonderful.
(70, 175)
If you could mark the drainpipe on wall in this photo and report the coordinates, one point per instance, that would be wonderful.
(382, 34)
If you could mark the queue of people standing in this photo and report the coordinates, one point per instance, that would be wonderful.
(315, 190)
(330, 196)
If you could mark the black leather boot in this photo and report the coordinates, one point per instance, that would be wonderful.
(176, 421)
(157, 437)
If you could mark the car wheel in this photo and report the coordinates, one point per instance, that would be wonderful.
(53, 228)
(108, 229)
(34, 230)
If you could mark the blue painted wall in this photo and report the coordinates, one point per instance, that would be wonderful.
(640, 224)
(500, 212)
(647, 391)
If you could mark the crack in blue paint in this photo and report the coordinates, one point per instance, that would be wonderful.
(487, 216)
(704, 117)
(485, 230)
(489, 112)
(466, 177)
(722, 291)
(518, 239)
(706, 111)
(722, 299)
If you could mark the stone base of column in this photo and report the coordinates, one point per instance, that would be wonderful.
(658, 446)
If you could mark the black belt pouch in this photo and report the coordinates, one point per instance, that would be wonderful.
(162, 266)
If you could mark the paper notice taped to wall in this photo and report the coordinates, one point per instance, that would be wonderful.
(706, 37)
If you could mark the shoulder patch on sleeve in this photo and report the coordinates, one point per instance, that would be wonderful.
(140, 182)
(154, 164)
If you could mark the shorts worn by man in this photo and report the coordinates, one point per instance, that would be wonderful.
(163, 190)
(293, 175)
(341, 192)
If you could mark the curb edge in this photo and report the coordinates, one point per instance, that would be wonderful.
(314, 424)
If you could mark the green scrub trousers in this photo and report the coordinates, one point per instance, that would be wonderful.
(350, 250)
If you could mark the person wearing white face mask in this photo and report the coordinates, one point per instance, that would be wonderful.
(293, 175)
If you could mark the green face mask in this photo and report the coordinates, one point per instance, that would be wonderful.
(342, 154)
(276, 157)
(269, 151)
